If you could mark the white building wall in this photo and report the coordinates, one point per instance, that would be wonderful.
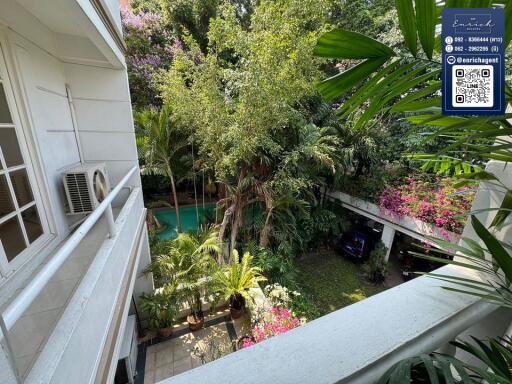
(37, 79)
(102, 103)
(43, 82)
(44, 60)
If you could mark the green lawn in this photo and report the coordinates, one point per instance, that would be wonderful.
(333, 282)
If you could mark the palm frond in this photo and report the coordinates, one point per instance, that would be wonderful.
(238, 277)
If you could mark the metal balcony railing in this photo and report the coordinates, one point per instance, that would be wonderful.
(15, 309)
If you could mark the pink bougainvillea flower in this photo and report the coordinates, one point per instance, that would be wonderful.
(436, 202)
(280, 320)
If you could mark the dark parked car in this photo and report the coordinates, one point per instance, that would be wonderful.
(355, 244)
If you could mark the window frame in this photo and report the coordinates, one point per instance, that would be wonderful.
(17, 104)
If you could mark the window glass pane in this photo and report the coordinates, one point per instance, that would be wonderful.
(32, 223)
(5, 115)
(6, 204)
(12, 238)
(10, 147)
(21, 187)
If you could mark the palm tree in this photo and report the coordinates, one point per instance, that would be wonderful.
(235, 280)
(163, 148)
(496, 354)
(186, 263)
(261, 182)
(314, 151)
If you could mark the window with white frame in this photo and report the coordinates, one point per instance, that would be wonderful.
(20, 217)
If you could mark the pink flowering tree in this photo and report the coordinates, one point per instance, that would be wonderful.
(435, 202)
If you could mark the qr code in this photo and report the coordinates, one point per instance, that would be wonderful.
(472, 86)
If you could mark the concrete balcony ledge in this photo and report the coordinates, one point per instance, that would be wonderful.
(355, 344)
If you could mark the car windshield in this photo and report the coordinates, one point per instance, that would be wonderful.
(356, 241)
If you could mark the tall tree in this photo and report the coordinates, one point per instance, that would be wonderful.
(247, 97)
(190, 17)
(163, 147)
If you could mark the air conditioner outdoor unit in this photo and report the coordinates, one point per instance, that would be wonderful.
(86, 187)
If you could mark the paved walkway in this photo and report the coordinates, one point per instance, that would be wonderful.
(159, 359)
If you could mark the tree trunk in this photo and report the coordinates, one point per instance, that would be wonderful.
(234, 228)
(176, 204)
(225, 221)
(266, 229)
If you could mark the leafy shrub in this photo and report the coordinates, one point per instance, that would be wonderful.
(161, 307)
(355, 296)
(280, 296)
(295, 301)
(277, 268)
(234, 280)
(302, 307)
(369, 186)
(376, 269)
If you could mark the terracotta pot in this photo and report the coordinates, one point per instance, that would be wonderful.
(195, 324)
(165, 332)
(236, 313)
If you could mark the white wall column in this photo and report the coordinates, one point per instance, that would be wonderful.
(388, 235)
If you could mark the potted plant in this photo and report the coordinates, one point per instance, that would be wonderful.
(161, 308)
(186, 262)
(190, 292)
(235, 280)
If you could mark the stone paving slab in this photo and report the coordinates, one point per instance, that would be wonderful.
(185, 350)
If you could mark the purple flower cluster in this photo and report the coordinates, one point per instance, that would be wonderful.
(139, 20)
(152, 60)
(151, 48)
(145, 66)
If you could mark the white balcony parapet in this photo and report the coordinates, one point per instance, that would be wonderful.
(355, 344)
(22, 301)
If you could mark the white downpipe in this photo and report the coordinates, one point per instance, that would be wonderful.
(75, 124)
(19, 305)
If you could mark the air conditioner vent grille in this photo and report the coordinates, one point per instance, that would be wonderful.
(79, 192)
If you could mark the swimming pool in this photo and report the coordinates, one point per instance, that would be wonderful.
(188, 216)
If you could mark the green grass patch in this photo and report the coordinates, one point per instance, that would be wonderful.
(332, 282)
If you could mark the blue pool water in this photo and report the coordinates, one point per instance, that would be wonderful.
(188, 216)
